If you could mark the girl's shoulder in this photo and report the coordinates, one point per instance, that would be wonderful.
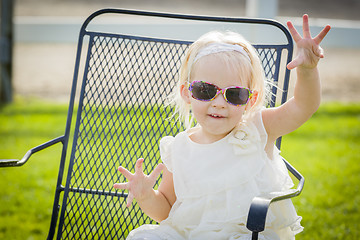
(181, 136)
(168, 140)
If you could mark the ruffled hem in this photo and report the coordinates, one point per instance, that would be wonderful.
(228, 231)
(155, 232)
(296, 227)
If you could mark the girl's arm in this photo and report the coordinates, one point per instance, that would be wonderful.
(291, 115)
(155, 203)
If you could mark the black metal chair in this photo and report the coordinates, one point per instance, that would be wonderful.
(121, 116)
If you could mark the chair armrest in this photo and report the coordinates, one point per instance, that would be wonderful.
(260, 204)
(17, 162)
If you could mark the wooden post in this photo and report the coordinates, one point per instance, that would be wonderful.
(6, 50)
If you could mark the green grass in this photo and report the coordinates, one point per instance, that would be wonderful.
(27, 192)
(326, 150)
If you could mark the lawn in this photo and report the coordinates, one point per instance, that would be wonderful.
(326, 150)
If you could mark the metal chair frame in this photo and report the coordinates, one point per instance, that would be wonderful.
(96, 119)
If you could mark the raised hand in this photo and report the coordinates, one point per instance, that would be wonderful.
(139, 185)
(309, 51)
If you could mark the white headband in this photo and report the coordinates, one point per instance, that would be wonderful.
(221, 47)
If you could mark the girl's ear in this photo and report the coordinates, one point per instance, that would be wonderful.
(252, 100)
(184, 92)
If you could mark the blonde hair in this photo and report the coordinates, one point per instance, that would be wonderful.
(249, 71)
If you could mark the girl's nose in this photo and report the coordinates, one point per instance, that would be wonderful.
(219, 101)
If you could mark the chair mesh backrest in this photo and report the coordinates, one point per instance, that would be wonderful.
(121, 117)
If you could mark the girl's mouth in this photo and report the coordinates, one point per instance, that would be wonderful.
(213, 115)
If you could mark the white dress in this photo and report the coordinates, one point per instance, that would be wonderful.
(215, 184)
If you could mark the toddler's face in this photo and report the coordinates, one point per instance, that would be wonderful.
(217, 117)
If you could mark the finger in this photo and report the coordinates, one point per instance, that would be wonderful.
(125, 172)
(121, 186)
(322, 34)
(306, 28)
(156, 173)
(138, 165)
(294, 63)
(294, 33)
(129, 200)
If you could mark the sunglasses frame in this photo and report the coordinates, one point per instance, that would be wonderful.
(219, 90)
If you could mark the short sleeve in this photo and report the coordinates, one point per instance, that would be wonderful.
(165, 151)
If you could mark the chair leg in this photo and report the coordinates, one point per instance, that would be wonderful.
(255, 236)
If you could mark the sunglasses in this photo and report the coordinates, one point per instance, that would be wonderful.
(205, 91)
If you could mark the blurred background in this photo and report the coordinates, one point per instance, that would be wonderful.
(46, 31)
(326, 150)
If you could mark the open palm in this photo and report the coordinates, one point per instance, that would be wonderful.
(139, 184)
(308, 49)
